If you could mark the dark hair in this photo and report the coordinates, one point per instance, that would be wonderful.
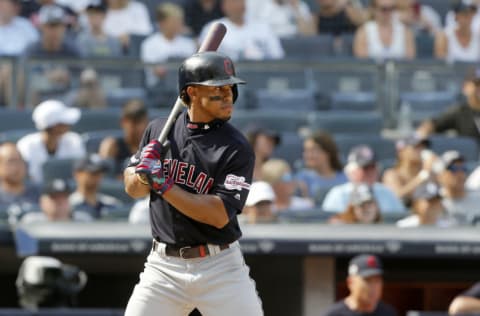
(134, 110)
(326, 142)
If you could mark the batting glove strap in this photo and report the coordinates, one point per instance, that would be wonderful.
(161, 185)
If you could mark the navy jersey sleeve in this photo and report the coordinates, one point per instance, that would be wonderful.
(473, 291)
(233, 181)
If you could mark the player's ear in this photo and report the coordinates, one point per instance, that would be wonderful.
(191, 92)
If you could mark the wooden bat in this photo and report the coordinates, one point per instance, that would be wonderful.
(210, 43)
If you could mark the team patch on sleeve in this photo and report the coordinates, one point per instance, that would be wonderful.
(233, 182)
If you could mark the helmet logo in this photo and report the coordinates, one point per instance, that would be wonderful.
(227, 65)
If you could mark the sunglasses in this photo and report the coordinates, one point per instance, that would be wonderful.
(455, 168)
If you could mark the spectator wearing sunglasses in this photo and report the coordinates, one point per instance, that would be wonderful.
(362, 168)
(462, 204)
(384, 37)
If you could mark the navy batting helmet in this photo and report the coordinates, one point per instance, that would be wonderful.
(207, 69)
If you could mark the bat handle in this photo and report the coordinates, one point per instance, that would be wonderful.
(170, 121)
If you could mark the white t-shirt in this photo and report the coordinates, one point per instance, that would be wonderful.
(463, 209)
(457, 52)
(140, 213)
(133, 19)
(34, 151)
(473, 180)
(252, 40)
(282, 18)
(396, 50)
(414, 221)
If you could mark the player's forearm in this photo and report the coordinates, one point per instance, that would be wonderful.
(204, 208)
(133, 186)
(464, 304)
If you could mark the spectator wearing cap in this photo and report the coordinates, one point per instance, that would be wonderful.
(125, 18)
(200, 12)
(467, 302)
(259, 204)
(365, 284)
(462, 118)
(93, 42)
(460, 203)
(322, 168)
(168, 42)
(54, 139)
(450, 17)
(362, 208)
(362, 168)
(278, 174)
(427, 208)
(459, 43)
(89, 94)
(263, 142)
(88, 174)
(54, 205)
(16, 193)
(246, 38)
(30, 9)
(410, 170)
(133, 122)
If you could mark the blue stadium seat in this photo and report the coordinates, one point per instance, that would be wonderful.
(14, 135)
(94, 120)
(93, 139)
(355, 101)
(299, 99)
(424, 43)
(466, 145)
(115, 188)
(135, 45)
(308, 47)
(347, 122)
(280, 121)
(118, 97)
(57, 169)
(11, 119)
(275, 80)
(351, 80)
(428, 104)
(290, 149)
(307, 216)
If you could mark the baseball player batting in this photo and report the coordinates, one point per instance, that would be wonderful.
(196, 191)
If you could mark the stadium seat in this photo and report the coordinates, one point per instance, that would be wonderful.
(351, 80)
(93, 139)
(115, 188)
(118, 97)
(299, 99)
(465, 145)
(346, 122)
(306, 216)
(383, 148)
(428, 104)
(308, 47)
(290, 149)
(94, 120)
(11, 119)
(135, 45)
(354, 101)
(14, 135)
(280, 121)
(275, 80)
(424, 42)
(57, 169)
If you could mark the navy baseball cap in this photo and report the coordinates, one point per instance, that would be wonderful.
(361, 156)
(96, 5)
(52, 14)
(463, 6)
(57, 186)
(365, 266)
(91, 163)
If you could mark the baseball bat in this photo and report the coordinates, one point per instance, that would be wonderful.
(210, 43)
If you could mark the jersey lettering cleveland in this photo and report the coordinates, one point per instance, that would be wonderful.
(212, 158)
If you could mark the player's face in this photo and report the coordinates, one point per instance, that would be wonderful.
(366, 291)
(211, 103)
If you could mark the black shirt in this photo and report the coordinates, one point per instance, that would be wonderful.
(212, 158)
(461, 118)
(341, 309)
(336, 24)
(196, 17)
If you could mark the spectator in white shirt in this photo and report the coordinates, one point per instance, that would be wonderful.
(168, 42)
(53, 140)
(259, 204)
(245, 39)
(126, 17)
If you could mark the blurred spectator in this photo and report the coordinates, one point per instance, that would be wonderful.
(361, 168)
(427, 208)
(200, 12)
(461, 42)
(168, 42)
(259, 204)
(14, 189)
(410, 170)
(385, 37)
(450, 19)
(467, 302)
(362, 208)
(288, 18)
(140, 212)
(322, 167)
(90, 94)
(133, 122)
(263, 142)
(473, 180)
(463, 118)
(339, 17)
(460, 203)
(419, 17)
(278, 174)
(93, 42)
(30, 9)
(16, 32)
(127, 17)
(88, 174)
(53, 139)
(55, 206)
(245, 39)
(365, 284)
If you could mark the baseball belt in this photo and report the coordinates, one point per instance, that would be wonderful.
(188, 252)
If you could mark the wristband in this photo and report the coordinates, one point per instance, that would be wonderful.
(141, 179)
(167, 185)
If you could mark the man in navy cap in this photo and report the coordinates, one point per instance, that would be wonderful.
(365, 283)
